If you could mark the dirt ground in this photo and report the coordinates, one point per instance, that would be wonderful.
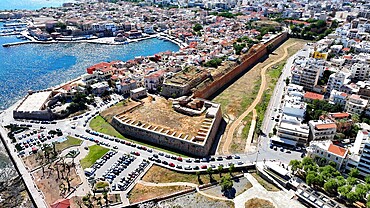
(196, 200)
(258, 203)
(141, 192)
(52, 187)
(238, 96)
(159, 112)
(157, 174)
(120, 107)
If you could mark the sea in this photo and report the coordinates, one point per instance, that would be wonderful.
(35, 67)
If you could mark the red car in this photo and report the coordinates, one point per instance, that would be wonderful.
(137, 153)
(171, 165)
(203, 166)
(179, 159)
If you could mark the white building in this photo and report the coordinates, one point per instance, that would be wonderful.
(360, 157)
(325, 149)
(322, 130)
(337, 97)
(360, 71)
(355, 104)
(336, 80)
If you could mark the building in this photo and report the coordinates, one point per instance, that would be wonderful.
(360, 71)
(311, 96)
(325, 149)
(355, 105)
(307, 77)
(337, 97)
(154, 81)
(360, 157)
(291, 134)
(100, 87)
(336, 80)
(138, 93)
(35, 106)
(322, 130)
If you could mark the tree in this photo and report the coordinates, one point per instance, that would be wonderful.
(351, 181)
(344, 190)
(105, 196)
(197, 27)
(295, 165)
(226, 183)
(361, 191)
(331, 186)
(231, 168)
(332, 164)
(354, 172)
(220, 168)
(198, 175)
(313, 178)
(352, 197)
(368, 202)
(210, 171)
(367, 179)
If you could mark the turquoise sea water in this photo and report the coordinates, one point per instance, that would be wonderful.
(36, 67)
(30, 4)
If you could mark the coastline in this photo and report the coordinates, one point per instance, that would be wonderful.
(102, 41)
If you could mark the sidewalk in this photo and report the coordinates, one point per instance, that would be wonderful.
(280, 199)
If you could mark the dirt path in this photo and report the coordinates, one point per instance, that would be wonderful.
(183, 184)
(236, 123)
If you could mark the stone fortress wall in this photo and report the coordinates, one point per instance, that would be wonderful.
(256, 53)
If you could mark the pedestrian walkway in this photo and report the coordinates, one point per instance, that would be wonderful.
(230, 133)
(251, 131)
(279, 199)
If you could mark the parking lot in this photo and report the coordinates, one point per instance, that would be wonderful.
(119, 169)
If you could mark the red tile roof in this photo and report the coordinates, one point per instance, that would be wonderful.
(340, 151)
(313, 96)
(325, 126)
(339, 115)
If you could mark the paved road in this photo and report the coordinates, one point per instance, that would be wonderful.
(230, 134)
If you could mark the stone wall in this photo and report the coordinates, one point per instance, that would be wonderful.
(250, 59)
(199, 149)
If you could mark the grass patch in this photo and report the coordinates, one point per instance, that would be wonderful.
(141, 192)
(95, 152)
(98, 124)
(157, 174)
(101, 185)
(258, 203)
(70, 142)
(268, 186)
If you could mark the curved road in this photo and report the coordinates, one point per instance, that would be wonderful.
(236, 123)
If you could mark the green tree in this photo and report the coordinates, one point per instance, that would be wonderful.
(368, 202)
(361, 191)
(313, 178)
(226, 183)
(367, 179)
(295, 165)
(231, 169)
(198, 175)
(351, 181)
(354, 172)
(220, 168)
(352, 197)
(344, 190)
(331, 186)
(197, 27)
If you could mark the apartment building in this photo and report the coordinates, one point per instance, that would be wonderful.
(322, 129)
(326, 149)
(360, 157)
(306, 76)
(338, 97)
(355, 105)
(360, 71)
(336, 80)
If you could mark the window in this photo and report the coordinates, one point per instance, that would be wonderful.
(336, 158)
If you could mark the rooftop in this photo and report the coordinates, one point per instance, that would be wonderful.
(313, 96)
(34, 101)
(325, 126)
(340, 151)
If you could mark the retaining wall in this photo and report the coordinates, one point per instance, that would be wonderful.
(253, 57)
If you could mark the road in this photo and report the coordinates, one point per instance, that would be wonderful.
(230, 133)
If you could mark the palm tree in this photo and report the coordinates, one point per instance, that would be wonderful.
(210, 171)
(231, 169)
(220, 168)
(198, 175)
(105, 196)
